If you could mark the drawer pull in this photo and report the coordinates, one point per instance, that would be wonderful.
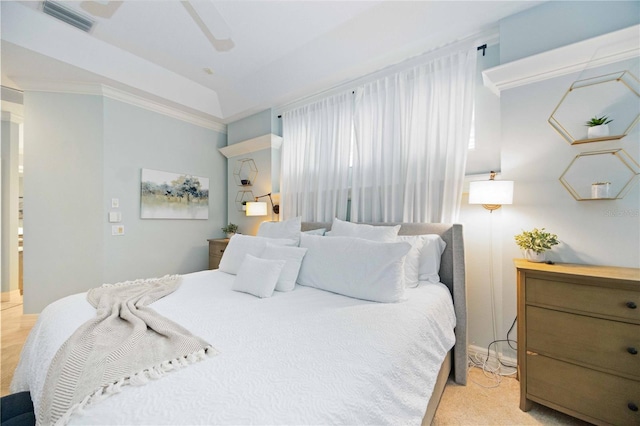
(632, 406)
(631, 305)
(221, 251)
(632, 350)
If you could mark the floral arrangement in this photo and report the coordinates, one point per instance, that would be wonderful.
(537, 240)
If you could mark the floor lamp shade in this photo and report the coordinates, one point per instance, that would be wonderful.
(256, 208)
(491, 193)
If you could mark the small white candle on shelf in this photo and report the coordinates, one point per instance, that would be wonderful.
(600, 190)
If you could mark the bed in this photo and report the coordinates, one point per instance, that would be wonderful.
(306, 356)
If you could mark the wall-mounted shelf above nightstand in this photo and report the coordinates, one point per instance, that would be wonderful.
(242, 197)
(269, 141)
(615, 96)
(600, 175)
(245, 172)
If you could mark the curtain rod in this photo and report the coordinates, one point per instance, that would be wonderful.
(482, 47)
(490, 35)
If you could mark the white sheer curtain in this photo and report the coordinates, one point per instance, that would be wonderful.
(411, 138)
(315, 159)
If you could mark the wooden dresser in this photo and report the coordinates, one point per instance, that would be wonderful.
(578, 340)
(216, 249)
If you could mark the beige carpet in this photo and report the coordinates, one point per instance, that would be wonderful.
(476, 405)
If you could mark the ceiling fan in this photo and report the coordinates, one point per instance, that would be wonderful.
(220, 44)
(100, 9)
(107, 9)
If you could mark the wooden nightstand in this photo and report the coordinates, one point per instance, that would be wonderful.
(578, 340)
(216, 248)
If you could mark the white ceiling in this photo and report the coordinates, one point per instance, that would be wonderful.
(261, 54)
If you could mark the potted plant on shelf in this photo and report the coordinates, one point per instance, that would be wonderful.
(230, 229)
(598, 127)
(535, 243)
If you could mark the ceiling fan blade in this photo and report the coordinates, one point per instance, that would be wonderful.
(220, 44)
(100, 9)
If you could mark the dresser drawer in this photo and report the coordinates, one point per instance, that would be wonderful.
(580, 390)
(603, 344)
(610, 302)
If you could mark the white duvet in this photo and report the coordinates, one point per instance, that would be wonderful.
(303, 357)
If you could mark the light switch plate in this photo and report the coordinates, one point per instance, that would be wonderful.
(115, 203)
(115, 217)
(117, 230)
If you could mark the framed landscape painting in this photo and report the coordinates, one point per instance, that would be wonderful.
(165, 195)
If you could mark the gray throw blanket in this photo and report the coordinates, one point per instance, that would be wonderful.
(127, 343)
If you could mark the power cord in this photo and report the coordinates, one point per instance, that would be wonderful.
(494, 373)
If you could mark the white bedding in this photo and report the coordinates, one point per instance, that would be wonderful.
(302, 357)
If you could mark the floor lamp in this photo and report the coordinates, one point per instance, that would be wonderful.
(492, 194)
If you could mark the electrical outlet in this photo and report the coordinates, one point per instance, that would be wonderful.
(117, 230)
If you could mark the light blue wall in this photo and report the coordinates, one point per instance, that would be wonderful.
(250, 127)
(534, 156)
(134, 139)
(80, 152)
(259, 124)
(605, 232)
(63, 195)
(559, 23)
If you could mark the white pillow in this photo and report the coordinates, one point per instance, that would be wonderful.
(340, 228)
(354, 267)
(241, 245)
(293, 258)
(412, 260)
(430, 256)
(289, 229)
(258, 276)
(319, 231)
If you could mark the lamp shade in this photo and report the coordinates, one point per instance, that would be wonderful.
(256, 208)
(496, 192)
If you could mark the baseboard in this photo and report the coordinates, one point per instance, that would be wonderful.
(480, 352)
(8, 296)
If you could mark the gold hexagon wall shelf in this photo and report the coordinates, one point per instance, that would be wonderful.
(245, 172)
(615, 95)
(241, 199)
(601, 175)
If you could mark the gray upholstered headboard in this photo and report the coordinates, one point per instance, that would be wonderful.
(452, 274)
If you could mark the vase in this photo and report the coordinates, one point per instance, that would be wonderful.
(596, 132)
(532, 256)
(230, 234)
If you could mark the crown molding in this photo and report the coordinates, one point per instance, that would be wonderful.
(12, 117)
(594, 52)
(269, 141)
(138, 101)
(96, 89)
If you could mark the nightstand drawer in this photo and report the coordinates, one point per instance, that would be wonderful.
(216, 250)
(599, 395)
(603, 344)
(214, 262)
(610, 302)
